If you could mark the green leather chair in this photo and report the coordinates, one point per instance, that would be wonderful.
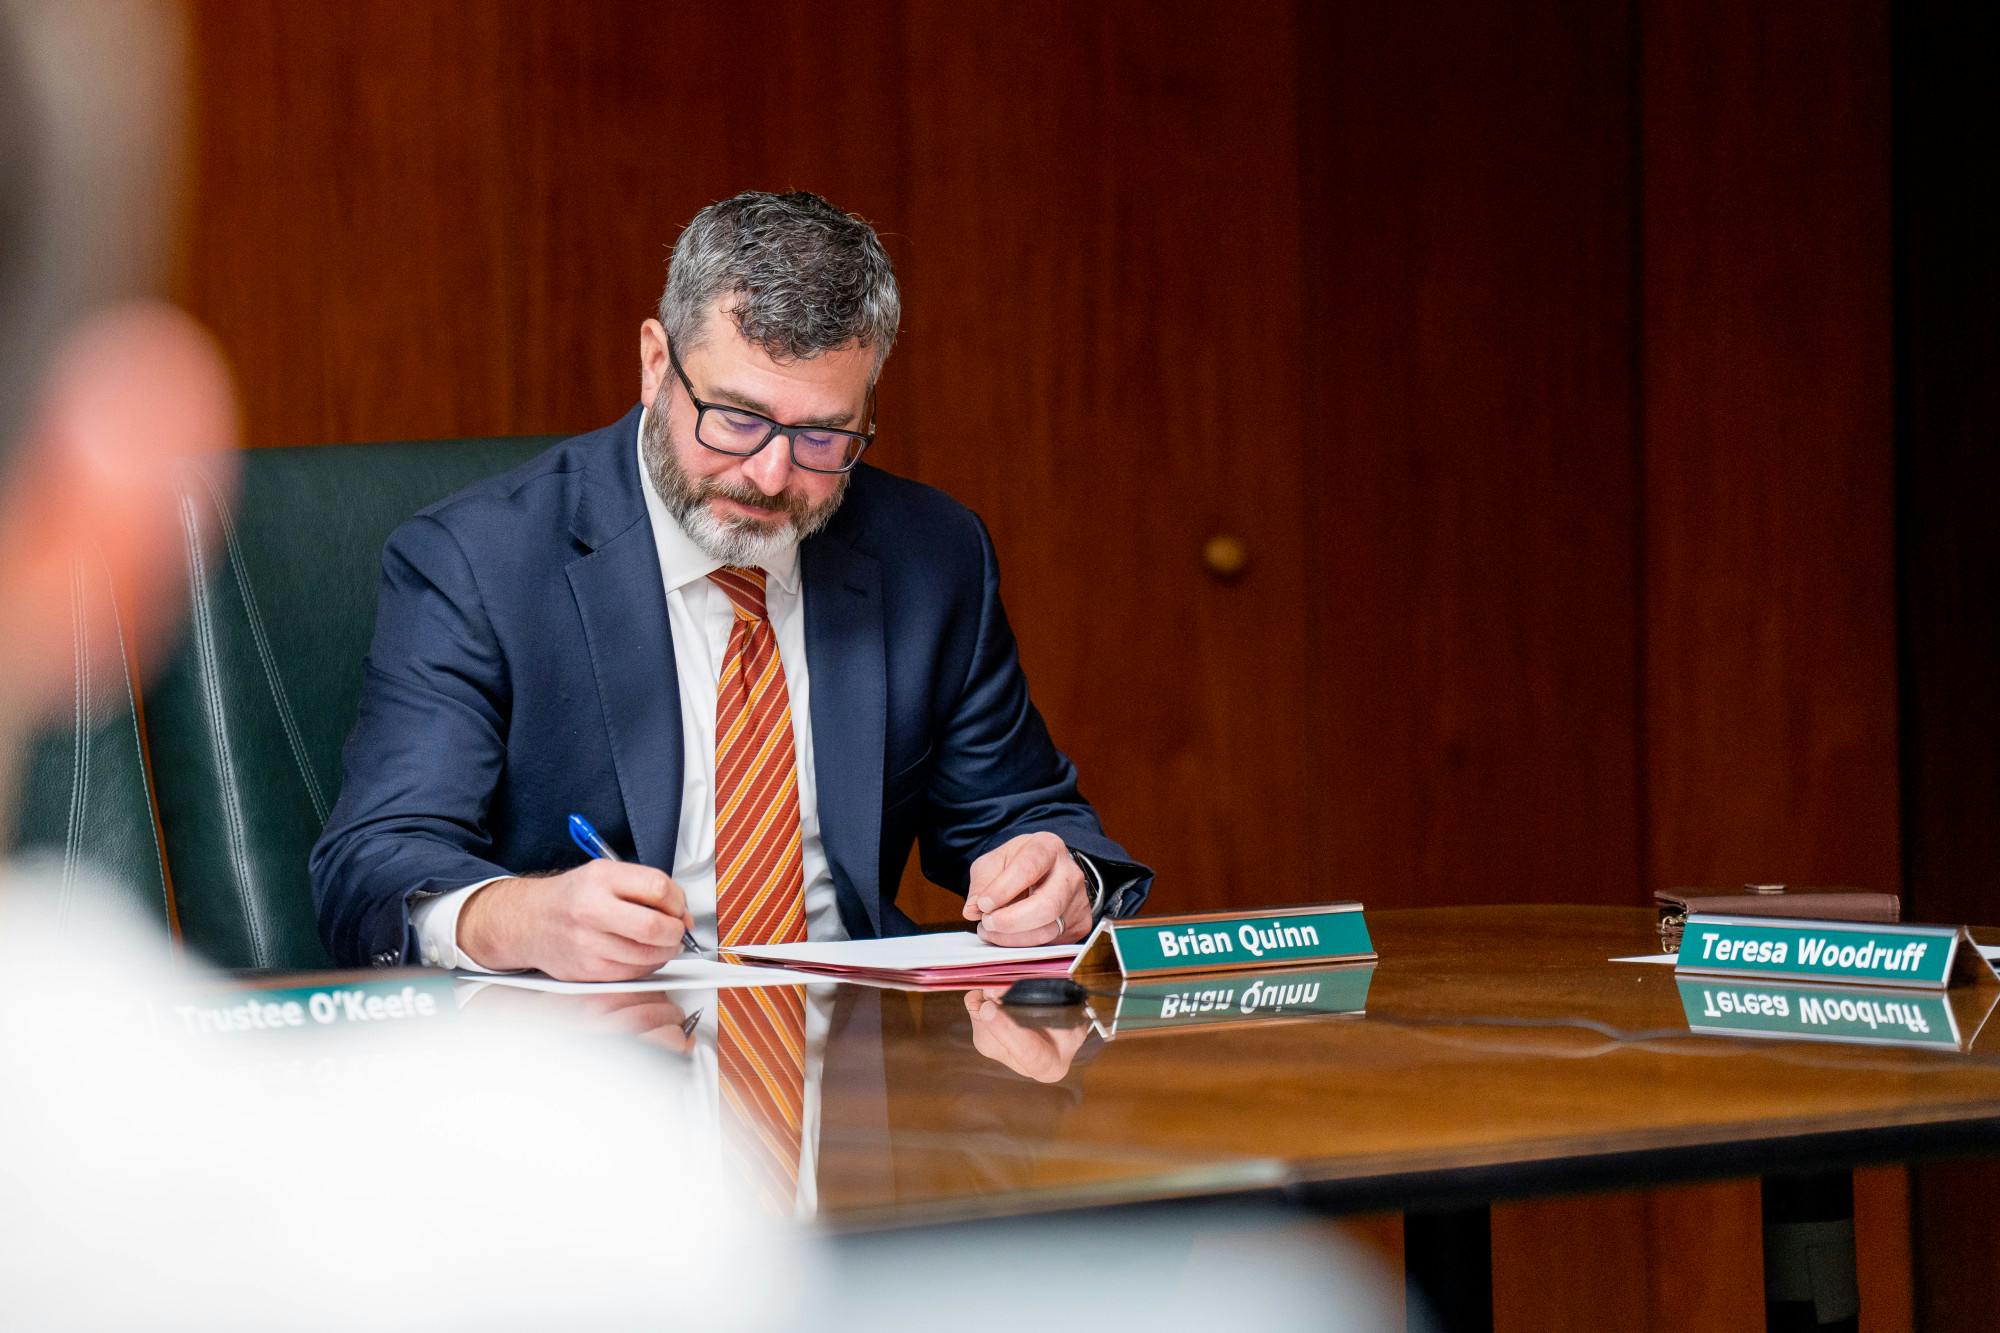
(248, 717)
(85, 806)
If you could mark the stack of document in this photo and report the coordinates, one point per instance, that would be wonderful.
(957, 959)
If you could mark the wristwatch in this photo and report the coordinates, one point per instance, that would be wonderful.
(1094, 880)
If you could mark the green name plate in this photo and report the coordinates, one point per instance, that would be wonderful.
(1287, 995)
(256, 1010)
(1927, 957)
(1869, 1016)
(1228, 941)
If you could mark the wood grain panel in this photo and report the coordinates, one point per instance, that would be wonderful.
(1469, 386)
(1770, 617)
(1471, 193)
(1688, 1258)
(1534, 1239)
(416, 218)
(1769, 711)
(1105, 322)
(1684, 1258)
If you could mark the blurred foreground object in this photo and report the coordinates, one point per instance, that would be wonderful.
(153, 1181)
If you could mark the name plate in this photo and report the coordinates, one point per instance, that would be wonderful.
(256, 1011)
(1227, 941)
(1921, 957)
(1289, 995)
(1867, 1016)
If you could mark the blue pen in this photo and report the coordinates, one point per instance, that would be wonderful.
(586, 837)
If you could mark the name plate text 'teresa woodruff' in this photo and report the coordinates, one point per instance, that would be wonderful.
(1227, 941)
(1842, 952)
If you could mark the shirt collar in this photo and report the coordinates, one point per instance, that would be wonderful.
(681, 561)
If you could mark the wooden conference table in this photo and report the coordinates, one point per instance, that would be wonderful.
(1501, 1055)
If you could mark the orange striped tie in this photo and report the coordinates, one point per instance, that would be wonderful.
(762, 1056)
(759, 865)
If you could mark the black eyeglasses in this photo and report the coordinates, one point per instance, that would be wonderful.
(736, 431)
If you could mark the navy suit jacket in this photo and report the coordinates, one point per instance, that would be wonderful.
(522, 668)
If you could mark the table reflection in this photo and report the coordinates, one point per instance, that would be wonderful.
(942, 1104)
(1949, 1020)
(656, 1018)
(1040, 1044)
(1227, 999)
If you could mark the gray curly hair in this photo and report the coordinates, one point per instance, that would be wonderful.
(809, 277)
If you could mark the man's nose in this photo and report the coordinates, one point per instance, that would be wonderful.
(770, 467)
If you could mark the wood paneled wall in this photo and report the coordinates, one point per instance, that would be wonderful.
(1471, 184)
(1537, 354)
(1766, 528)
(1769, 581)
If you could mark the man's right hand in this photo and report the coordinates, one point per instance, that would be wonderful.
(603, 921)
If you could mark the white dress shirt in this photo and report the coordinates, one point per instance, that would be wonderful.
(700, 617)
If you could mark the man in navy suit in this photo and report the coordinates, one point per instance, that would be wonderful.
(565, 638)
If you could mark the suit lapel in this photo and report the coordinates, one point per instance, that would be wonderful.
(844, 656)
(623, 609)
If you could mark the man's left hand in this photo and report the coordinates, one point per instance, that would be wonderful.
(1027, 891)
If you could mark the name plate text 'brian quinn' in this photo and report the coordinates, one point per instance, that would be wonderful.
(1228, 941)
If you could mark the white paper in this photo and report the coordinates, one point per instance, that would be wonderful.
(1990, 952)
(679, 974)
(908, 952)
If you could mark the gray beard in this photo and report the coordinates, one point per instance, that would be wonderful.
(742, 542)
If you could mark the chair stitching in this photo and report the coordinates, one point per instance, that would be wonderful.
(210, 683)
(79, 647)
(268, 659)
(139, 749)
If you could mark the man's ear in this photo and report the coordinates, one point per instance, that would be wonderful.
(131, 401)
(653, 367)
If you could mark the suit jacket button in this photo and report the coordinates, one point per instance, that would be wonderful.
(387, 958)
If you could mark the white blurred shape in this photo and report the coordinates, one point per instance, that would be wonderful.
(147, 1181)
